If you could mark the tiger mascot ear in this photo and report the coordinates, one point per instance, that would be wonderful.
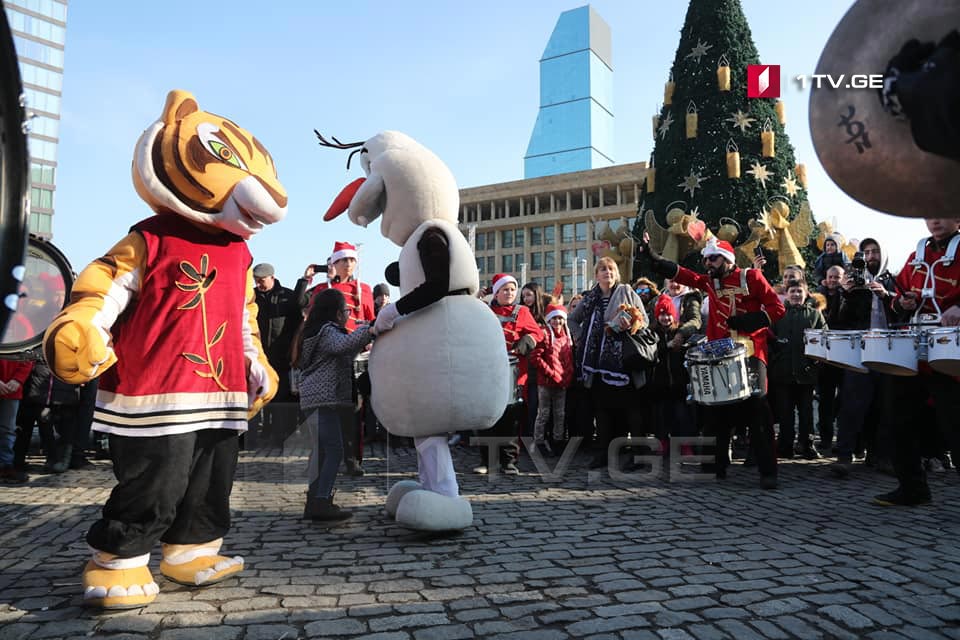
(179, 105)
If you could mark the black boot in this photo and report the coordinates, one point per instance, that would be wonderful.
(63, 459)
(353, 467)
(323, 510)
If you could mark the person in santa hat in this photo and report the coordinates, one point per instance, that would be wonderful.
(521, 333)
(553, 358)
(742, 306)
(342, 268)
(672, 416)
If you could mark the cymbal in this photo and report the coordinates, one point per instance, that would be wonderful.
(870, 154)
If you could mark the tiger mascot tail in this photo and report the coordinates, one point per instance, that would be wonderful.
(166, 320)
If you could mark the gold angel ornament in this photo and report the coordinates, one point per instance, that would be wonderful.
(685, 232)
(775, 231)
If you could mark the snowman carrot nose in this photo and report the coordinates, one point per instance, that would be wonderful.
(342, 202)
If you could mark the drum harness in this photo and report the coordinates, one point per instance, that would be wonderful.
(928, 292)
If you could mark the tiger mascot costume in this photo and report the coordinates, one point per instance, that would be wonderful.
(167, 320)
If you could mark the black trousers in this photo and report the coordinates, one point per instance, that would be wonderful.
(508, 426)
(173, 489)
(829, 380)
(790, 397)
(909, 396)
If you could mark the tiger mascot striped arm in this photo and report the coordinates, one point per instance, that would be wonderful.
(201, 167)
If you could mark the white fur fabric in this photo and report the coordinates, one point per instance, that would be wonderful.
(429, 511)
(463, 266)
(442, 368)
(396, 494)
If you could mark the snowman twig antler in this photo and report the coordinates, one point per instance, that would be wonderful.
(336, 144)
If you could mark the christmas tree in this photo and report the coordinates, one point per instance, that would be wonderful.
(722, 163)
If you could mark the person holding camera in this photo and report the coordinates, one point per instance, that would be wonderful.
(743, 306)
(867, 289)
(933, 269)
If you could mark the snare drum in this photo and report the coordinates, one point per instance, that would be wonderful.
(717, 379)
(892, 352)
(813, 345)
(844, 349)
(943, 349)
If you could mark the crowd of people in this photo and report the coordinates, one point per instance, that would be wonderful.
(573, 376)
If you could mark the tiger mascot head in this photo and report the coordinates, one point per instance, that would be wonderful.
(207, 169)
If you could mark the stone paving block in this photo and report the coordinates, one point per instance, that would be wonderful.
(707, 632)
(587, 627)
(444, 632)
(334, 628)
(393, 623)
(269, 632)
(212, 633)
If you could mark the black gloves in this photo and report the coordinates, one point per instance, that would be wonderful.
(525, 345)
(922, 82)
(661, 266)
(749, 322)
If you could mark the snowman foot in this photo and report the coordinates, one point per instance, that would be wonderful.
(397, 492)
(428, 511)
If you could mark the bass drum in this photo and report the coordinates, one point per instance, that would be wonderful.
(14, 171)
(44, 292)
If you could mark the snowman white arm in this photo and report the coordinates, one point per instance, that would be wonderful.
(367, 203)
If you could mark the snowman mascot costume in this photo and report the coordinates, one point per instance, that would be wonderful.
(426, 373)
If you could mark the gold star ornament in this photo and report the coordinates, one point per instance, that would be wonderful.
(665, 125)
(692, 182)
(698, 51)
(790, 185)
(741, 120)
(760, 173)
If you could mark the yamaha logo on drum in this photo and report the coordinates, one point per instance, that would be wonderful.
(944, 340)
(706, 380)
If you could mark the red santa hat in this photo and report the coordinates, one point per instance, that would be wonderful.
(665, 305)
(343, 250)
(719, 248)
(501, 279)
(555, 311)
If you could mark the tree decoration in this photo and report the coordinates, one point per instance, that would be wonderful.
(656, 125)
(692, 182)
(668, 92)
(801, 170)
(781, 110)
(790, 185)
(729, 229)
(741, 121)
(698, 51)
(651, 177)
(760, 173)
(691, 120)
(733, 159)
(665, 125)
(768, 140)
(723, 73)
(684, 232)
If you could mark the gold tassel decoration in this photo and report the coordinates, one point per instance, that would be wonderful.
(733, 160)
(768, 140)
(788, 253)
(691, 120)
(668, 92)
(781, 110)
(723, 73)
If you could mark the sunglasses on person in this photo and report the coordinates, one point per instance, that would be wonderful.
(642, 290)
(713, 258)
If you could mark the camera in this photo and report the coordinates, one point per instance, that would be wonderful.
(319, 268)
(858, 267)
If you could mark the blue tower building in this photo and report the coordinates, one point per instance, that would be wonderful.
(574, 128)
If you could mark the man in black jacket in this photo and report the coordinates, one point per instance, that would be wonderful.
(829, 378)
(278, 317)
(864, 306)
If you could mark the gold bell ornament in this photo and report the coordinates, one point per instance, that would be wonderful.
(729, 229)
(723, 73)
(768, 140)
(691, 120)
(733, 159)
(781, 110)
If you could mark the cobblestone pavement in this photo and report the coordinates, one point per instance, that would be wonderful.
(582, 556)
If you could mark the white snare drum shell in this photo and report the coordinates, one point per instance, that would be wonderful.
(892, 352)
(813, 345)
(844, 349)
(943, 350)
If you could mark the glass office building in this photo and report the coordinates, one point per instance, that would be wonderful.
(39, 32)
(574, 128)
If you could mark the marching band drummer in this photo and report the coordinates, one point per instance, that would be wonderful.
(522, 334)
(934, 266)
(742, 306)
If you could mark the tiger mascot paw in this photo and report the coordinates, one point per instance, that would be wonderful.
(198, 565)
(77, 351)
(118, 588)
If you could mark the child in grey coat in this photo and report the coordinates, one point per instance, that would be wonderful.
(325, 360)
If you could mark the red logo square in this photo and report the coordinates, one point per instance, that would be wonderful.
(763, 81)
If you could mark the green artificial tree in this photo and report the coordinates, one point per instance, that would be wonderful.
(690, 194)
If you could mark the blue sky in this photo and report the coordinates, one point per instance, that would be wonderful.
(462, 78)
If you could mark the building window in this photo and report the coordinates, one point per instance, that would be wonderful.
(507, 262)
(506, 239)
(480, 263)
(581, 254)
(536, 261)
(581, 232)
(491, 264)
(518, 238)
(42, 173)
(36, 27)
(566, 233)
(548, 263)
(480, 242)
(566, 258)
(40, 101)
(548, 235)
(567, 280)
(36, 51)
(41, 198)
(548, 282)
(536, 236)
(518, 261)
(491, 240)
